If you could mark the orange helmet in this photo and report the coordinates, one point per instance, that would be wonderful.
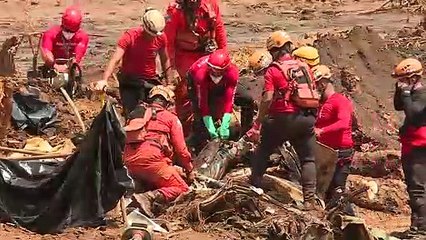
(321, 72)
(259, 60)
(277, 39)
(408, 68)
(163, 91)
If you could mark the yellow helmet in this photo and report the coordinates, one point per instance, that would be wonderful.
(153, 21)
(277, 39)
(259, 60)
(308, 54)
(321, 71)
(163, 91)
(408, 68)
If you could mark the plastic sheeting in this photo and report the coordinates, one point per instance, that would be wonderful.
(29, 112)
(47, 196)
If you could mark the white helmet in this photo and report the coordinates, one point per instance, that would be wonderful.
(153, 21)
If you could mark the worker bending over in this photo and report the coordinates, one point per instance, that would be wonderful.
(154, 137)
(137, 49)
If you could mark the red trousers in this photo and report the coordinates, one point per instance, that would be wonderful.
(149, 165)
(184, 61)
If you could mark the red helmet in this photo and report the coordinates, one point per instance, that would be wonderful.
(219, 60)
(71, 19)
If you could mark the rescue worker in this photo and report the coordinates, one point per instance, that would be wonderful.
(333, 128)
(66, 41)
(410, 97)
(137, 49)
(212, 84)
(153, 136)
(281, 119)
(307, 54)
(194, 29)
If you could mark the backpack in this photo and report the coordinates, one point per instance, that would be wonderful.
(137, 131)
(302, 89)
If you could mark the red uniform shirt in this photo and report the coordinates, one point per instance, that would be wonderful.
(181, 38)
(220, 95)
(140, 53)
(274, 81)
(335, 120)
(53, 41)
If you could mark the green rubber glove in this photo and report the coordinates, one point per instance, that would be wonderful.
(208, 122)
(224, 127)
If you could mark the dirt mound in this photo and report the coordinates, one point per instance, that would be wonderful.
(362, 63)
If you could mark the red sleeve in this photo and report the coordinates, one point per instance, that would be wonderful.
(344, 115)
(124, 40)
(179, 145)
(170, 32)
(269, 82)
(202, 90)
(220, 31)
(231, 86)
(47, 41)
(81, 48)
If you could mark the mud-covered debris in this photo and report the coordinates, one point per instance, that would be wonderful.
(390, 196)
(384, 164)
(350, 81)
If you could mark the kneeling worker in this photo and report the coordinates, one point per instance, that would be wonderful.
(154, 136)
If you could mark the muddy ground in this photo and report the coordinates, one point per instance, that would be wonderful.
(361, 57)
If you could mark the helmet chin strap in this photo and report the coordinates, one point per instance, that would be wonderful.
(216, 79)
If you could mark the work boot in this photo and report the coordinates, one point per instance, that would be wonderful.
(146, 199)
(313, 207)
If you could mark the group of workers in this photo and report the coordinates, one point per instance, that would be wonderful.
(299, 103)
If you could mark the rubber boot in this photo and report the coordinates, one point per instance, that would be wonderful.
(146, 199)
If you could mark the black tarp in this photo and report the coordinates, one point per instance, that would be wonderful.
(29, 112)
(47, 196)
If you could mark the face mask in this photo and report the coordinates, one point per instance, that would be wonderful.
(216, 79)
(68, 35)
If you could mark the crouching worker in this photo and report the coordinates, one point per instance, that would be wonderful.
(333, 128)
(410, 97)
(212, 86)
(154, 136)
(64, 42)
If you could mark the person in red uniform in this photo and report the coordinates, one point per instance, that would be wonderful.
(194, 29)
(65, 41)
(333, 128)
(280, 119)
(153, 136)
(410, 97)
(213, 84)
(137, 49)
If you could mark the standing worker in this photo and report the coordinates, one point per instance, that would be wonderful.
(138, 48)
(410, 97)
(194, 29)
(65, 41)
(212, 86)
(153, 136)
(307, 54)
(290, 114)
(333, 128)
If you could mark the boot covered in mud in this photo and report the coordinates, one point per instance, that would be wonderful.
(336, 199)
(146, 200)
